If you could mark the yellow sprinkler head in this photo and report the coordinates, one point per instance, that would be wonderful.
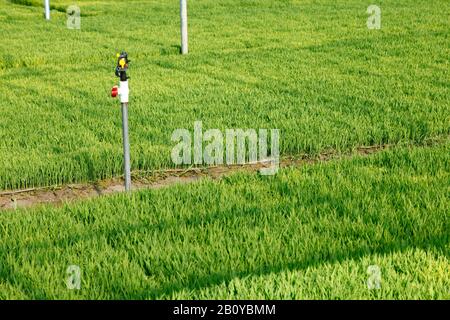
(122, 66)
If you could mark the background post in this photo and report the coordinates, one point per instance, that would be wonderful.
(184, 27)
(47, 9)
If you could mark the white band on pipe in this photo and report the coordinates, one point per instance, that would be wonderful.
(124, 91)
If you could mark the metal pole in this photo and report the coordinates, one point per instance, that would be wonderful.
(184, 27)
(126, 147)
(47, 9)
(124, 91)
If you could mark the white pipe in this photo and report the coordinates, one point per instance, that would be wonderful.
(184, 27)
(47, 9)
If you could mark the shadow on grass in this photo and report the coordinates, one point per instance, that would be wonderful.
(194, 281)
(40, 4)
(398, 231)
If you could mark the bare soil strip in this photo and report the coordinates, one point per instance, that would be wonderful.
(57, 195)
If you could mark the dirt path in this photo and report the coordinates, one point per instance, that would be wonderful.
(10, 200)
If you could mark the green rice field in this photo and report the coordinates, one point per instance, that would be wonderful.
(310, 68)
(306, 233)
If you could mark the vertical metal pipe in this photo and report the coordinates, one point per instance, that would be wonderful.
(184, 27)
(47, 9)
(126, 147)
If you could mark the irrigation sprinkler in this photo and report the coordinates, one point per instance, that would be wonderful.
(123, 91)
(184, 27)
(47, 9)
